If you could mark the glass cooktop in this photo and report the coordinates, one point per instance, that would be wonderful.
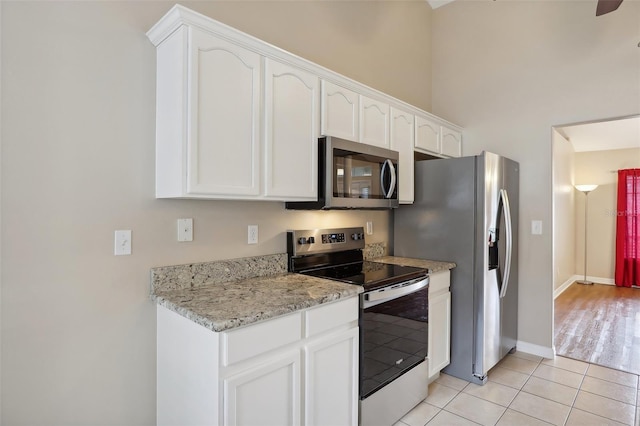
(370, 275)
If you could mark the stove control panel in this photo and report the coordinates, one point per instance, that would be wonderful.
(333, 238)
(324, 240)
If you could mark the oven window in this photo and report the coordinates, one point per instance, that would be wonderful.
(393, 340)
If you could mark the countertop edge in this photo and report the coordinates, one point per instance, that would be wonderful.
(432, 266)
(343, 291)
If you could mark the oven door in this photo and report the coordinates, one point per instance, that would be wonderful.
(393, 333)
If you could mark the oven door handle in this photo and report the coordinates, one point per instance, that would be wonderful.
(383, 295)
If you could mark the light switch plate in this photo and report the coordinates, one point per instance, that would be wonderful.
(369, 228)
(122, 242)
(185, 230)
(536, 227)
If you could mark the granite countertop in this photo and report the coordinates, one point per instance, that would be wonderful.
(223, 306)
(432, 266)
(226, 294)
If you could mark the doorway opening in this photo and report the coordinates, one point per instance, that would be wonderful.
(592, 323)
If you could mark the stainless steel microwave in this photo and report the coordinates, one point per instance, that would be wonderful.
(353, 175)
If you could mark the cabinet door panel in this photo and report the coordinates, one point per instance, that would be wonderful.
(402, 136)
(340, 109)
(451, 142)
(224, 130)
(331, 380)
(427, 135)
(265, 395)
(292, 99)
(374, 122)
(439, 332)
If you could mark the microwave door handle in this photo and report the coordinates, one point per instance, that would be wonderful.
(392, 184)
(382, 172)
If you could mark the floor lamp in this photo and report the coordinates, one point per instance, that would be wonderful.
(586, 189)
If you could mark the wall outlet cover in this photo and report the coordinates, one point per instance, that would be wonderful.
(252, 234)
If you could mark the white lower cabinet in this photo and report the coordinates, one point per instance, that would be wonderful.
(268, 394)
(439, 352)
(300, 368)
(332, 380)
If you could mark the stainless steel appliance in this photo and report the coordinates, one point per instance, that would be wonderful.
(393, 319)
(353, 175)
(466, 211)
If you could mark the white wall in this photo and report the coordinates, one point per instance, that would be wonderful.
(507, 71)
(78, 103)
(564, 229)
(596, 167)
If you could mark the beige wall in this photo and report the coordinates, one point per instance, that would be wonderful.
(78, 100)
(507, 71)
(564, 229)
(596, 167)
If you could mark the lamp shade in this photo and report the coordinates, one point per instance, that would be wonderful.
(586, 188)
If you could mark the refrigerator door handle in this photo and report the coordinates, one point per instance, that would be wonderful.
(509, 243)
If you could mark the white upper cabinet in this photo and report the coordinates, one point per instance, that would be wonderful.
(238, 118)
(374, 122)
(223, 138)
(340, 112)
(435, 138)
(451, 142)
(427, 135)
(292, 100)
(402, 135)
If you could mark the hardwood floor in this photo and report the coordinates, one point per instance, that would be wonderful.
(599, 324)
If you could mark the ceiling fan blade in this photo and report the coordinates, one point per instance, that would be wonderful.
(606, 6)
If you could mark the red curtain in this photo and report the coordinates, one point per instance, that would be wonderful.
(628, 228)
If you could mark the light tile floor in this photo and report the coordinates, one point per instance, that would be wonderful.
(528, 390)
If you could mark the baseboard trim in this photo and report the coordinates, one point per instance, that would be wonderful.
(558, 291)
(530, 348)
(598, 280)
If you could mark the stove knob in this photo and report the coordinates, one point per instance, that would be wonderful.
(302, 240)
(355, 236)
(311, 240)
(361, 236)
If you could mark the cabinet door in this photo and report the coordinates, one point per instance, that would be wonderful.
(451, 142)
(439, 332)
(331, 380)
(292, 99)
(224, 118)
(402, 141)
(374, 122)
(268, 394)
(340, 109)
(427, 135)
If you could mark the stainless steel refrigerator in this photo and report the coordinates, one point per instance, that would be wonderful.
(466, 211)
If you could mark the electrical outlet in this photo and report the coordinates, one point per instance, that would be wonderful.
(122, 242)
(252, 234)
(185, 230)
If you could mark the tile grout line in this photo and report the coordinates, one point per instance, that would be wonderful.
(521, 390)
